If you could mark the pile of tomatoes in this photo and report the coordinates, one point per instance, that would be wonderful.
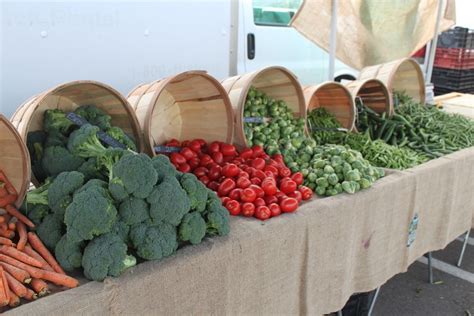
(249, 182)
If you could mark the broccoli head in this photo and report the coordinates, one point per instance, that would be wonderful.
(95, 184)
(133, 211)
(196, 190)
(56, 120)
(84, 142)
(216, 217)
(36, 213)
(90, 214)
(50, 230)
(119, 135)
(90, 169)
(57, 159)
(135, 174)
(192, 228)
(94, 116)
(122, 230)
(105, 256)
(55, 138)
(68, 254)
(61, 189)
(154, 241)
(163, 167)
(169, 202)
(110, 157)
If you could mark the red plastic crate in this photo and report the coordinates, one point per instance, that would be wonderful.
(454, 58)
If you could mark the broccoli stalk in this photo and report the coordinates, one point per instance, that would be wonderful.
(85, 143)
(38, 195)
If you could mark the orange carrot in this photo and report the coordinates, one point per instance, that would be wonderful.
(40, 287)
(17, 288)
(19, 274)
(23, 237)
(6, 241)
(7, 184)
(30, 252)
(14, 299)
(2, 219)
(30, 295)
(12, 223)
(4, 289)
(23, 257)
(14, 212)
(56, 278)
(38, 245)
(6, 233)
(3, 191)
(7, 200)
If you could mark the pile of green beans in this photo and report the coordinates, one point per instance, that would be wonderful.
(323, 126)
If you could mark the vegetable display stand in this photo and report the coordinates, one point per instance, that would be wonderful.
(335, 98)
(402, 75)
(68, 97)
(276, 82)
(189, 105)
(14, 158)
(373, 93)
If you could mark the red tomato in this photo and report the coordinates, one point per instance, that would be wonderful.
(274, 163)
(248, 195)
(263, 213)
(184, 168)
(297, 177)
(306, 192)
(193, 162)
(258, 190)
(274, 209)
(280, 196)
(256, 181)
(296, 195)
(218, 157)
(187, 153)
(214, 172)
(236, 194)
(213, 185)
(204, 179)
(272, 169)
(284, 172)
(200, 141)
(233, 207)
(185, 143)
(288, 186)
(278, 158)
(246, 153)
(243, 174)
(205, 160)
(257, 151)
(173, 142)
(214, 147)
(230, 170)
(200, 171)
(289, 205)
(228, 158)
(195, 146)
(270, 199)
(265, 157)
(259, 202)
(269, 174)
(177, 159)
(269, 187)
(224, 199)
(258, 163)
(243, 182)
(228, 150)
(248, 209)
(225, 187)
(259, 174)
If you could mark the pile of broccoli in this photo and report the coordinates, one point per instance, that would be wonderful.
(140, 208)
(56, 148)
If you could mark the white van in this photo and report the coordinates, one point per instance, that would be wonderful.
(127, 43)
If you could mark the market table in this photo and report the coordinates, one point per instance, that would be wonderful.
(309, 262)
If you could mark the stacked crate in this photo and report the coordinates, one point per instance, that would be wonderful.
(454, 62)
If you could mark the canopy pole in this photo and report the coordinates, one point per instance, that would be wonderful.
(434, 43)
(332, 40)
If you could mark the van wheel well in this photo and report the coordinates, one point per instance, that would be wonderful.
(344, 77)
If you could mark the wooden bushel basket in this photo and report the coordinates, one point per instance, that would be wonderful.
(14, 158)
(68, 97)
(402, 75)
(373, 93)
(335, 98)
(277, 82)
(186, 106)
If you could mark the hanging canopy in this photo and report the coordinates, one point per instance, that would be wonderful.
(371, 32)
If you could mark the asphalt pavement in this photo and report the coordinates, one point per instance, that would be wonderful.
(452, 292)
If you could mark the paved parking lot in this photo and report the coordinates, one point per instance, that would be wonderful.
(452, 293)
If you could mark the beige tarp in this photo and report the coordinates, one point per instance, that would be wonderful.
(309, 262)
(371, 32)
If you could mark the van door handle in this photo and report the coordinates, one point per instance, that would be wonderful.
(250, 46)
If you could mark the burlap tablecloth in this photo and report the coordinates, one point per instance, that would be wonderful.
(309, 262)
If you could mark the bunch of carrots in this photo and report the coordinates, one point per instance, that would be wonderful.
(27, 265)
